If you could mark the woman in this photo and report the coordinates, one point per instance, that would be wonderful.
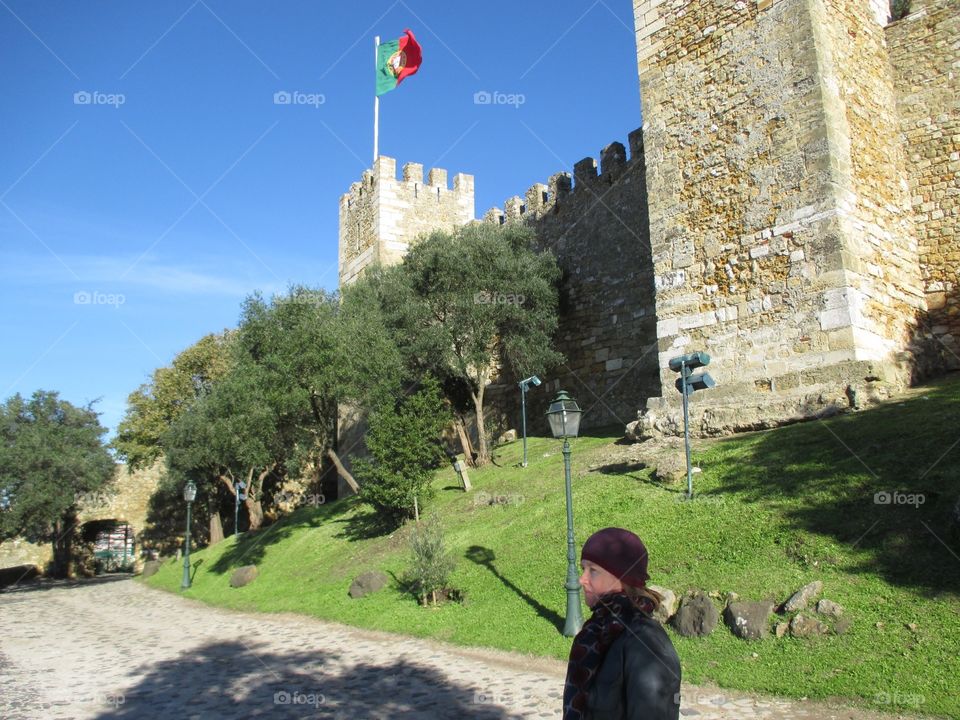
(622, 664)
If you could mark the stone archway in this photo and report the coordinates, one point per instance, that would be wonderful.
(111, 545)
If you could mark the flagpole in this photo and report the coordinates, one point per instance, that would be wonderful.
(376, 103)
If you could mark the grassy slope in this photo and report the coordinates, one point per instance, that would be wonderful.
(773, 511)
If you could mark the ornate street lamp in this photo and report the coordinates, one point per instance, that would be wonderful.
(564, 416)
(189, 494)
(524, 386)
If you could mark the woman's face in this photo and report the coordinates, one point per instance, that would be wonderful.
(596, 582)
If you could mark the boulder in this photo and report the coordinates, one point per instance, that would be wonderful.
(672, 469)
(244, 576)
(749, 620)
(508, 436)
(782, 629)
(150, 567)
(830, 609)
(633, 432)
(802, 597)
(803, 626)
(668, 606)
(366, 583)
(696, 616)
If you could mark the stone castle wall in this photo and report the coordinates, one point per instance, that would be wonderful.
(781, 243)
(790, 208)
(126, 501)
(381, 215)
(925, 58)
(596, 225)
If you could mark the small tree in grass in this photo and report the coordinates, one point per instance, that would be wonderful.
(431, 564)
(404, 442)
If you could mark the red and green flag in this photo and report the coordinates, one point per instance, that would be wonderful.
(396, 60)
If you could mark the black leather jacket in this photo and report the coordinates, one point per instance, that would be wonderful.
(639, 678)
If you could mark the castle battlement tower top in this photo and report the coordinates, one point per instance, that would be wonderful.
(382, 215)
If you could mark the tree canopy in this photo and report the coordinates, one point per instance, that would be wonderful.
(155, 406)
(472, 303)
(51, 454)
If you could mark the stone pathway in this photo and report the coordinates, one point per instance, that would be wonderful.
(112, 648)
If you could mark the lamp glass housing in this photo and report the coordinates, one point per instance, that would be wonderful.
(564, 416)
(190, 491)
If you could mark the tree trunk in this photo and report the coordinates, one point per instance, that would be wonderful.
(464, 441)
(343, 471)
(254, 513)
(62, 563)
(483, 452)
(216, 528)
(252, 503)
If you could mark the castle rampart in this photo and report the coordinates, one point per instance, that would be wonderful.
(925, 59)
(781, 237)
(381, 215)
(790, 207)
(597, 228)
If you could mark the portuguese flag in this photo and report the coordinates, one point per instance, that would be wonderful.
(396, 60)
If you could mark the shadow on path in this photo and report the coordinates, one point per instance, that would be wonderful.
(235, 680)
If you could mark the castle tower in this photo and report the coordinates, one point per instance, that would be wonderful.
(782, 235)
(925, 54)
(380, 216)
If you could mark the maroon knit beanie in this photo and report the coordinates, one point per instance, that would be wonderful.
(620, 553)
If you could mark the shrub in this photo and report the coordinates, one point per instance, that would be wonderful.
(431, 564)
(404, 442)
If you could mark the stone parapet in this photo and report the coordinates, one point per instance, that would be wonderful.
(382, 214)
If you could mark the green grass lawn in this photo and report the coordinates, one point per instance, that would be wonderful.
(772, 511)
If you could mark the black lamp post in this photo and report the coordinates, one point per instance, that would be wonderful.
(189, 494)
(564, 416)
(524, 386)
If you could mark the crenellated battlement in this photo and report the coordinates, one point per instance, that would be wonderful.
(411, 180)
(382, 213)
(562, 188)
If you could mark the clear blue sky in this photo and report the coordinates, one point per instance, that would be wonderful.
(136, 217)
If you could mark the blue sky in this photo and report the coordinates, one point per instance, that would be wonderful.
(149, 182)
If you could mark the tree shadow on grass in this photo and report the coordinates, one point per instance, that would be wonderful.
(249, 548)
(623, 469)
(364, 524)
(485, 557)
(882, 483)
(234, 679)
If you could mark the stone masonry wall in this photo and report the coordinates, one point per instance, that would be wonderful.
(925, 58)
(596, 225)
(880, 260)
(126, 502)
(766, 234)
(380, 216)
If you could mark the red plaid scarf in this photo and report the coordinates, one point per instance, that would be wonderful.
(610, 618)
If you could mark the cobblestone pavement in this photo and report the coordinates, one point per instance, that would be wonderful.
(112, 648)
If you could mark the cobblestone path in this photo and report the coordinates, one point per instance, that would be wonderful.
(113, 648)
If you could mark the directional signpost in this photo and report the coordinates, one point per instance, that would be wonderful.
(687, 384)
